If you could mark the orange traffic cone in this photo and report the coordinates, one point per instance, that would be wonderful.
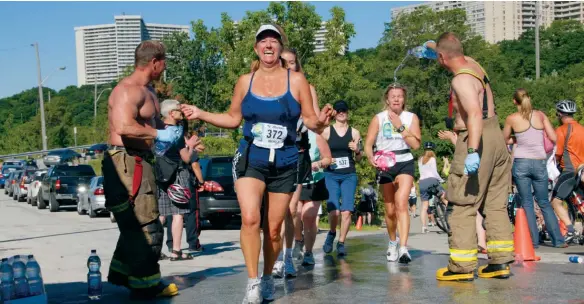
(563, 229)
(359, 223)
(522, 238)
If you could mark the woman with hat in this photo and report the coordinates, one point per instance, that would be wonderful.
(270, 102)
(341, 176)
(398, 131)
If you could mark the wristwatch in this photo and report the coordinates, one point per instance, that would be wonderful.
(401, 129)
(472, 150)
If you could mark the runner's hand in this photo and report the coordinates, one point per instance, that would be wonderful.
(191, 112)
(193, 142)
(445, 135)
(471, 164)
(372, 162)
(353, 145)
(395, 120)
(315, 166)
(326, 114)
(200, 148)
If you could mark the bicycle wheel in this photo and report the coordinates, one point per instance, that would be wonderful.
(441, 216)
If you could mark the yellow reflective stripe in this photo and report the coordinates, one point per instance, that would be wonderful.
(461, 255)
(473, 73)
(500, 246)
(500, 243)
(144, 282)
(119, 208)
(119, 267)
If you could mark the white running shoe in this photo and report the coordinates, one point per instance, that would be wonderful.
(278, 270)
(424, 229)
(268, 288)
(404, 255)
(253, 294)
(392, 250)
(289, 269)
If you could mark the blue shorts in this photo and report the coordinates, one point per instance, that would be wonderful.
(341, 188)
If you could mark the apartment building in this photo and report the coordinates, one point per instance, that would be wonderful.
(105, 51)
(505, 20)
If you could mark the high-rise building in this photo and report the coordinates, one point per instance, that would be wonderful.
(504, 20)
(105, 51)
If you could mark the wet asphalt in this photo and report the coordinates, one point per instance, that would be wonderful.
(365, 276)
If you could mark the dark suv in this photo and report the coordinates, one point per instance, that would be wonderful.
(218, 202)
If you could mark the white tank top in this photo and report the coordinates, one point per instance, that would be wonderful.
(388, 139)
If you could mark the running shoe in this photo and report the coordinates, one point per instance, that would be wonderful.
(308, 259)
(268, 288)
(278, 270)
(328, 243)
(341, 251)
(289, 269)
(404, 255)
(297, 251)
(392, 250)
(424, 229)
(253, 294)
(569, 237)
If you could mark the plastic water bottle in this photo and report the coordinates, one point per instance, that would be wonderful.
(576, 259)
(94, 276)
(6, 278)
(20, 282)
(33, 275)
(160, 147)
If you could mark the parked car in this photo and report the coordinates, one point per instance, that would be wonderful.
(217, 201)
(33, 189)
(13, 183)
(60, 157)
(95, 150)
(6, 170)
(61, 185)
(92, 200)
(21, 191)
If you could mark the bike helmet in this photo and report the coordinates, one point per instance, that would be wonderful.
(566, 106)
(429, 145)
(179, 194)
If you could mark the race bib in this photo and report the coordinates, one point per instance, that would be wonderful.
(269, 136)
(387, 130)
(342, 162)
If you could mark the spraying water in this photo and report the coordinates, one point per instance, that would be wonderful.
(418, 52)
(401, 65)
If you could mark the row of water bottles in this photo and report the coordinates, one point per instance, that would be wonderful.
(20, 277)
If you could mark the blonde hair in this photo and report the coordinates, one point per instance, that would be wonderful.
(394, 86)
(524, 102)
(296, 59)
(255, 65)
(429, 154)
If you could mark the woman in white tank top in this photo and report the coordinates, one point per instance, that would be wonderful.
(398, 131)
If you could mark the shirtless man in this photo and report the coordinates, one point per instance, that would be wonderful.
(480, 174)
(129, 184)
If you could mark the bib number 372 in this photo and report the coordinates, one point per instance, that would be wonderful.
(269, 136)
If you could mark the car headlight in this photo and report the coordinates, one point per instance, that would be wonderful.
(81, 189)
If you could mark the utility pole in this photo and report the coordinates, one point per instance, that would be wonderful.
(49, 96)
(41, 98)
(94, 97)
(537, 13)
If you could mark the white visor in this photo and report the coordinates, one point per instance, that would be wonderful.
(267, 27)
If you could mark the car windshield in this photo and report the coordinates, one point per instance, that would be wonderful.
(8, 170)
(74, 171)
(12, 163)
(56, 152)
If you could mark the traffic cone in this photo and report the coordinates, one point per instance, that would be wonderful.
(522, 238)
(563, 229)
(359, 223)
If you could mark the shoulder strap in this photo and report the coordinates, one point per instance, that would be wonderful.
(474, 74)
(288, 80)
(251, 81)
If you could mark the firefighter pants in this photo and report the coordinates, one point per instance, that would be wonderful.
(486, 192)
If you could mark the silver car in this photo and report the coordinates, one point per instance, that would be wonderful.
(92, 200)
(33, 188)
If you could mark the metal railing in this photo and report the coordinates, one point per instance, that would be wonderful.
(17, 155)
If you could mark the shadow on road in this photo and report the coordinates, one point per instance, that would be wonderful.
(211, 249)
(58, 234)
(76, 292)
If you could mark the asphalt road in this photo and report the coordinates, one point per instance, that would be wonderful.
(62, 241)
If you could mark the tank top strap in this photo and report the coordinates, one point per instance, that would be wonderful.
(288, 91)
(251, 82)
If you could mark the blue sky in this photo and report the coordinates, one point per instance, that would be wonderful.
(51, 25)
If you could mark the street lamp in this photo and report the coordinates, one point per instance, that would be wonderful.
(41, 99)
(95, 102)
(46, 78)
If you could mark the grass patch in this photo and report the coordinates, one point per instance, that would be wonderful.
(325, 226)
(96, 165)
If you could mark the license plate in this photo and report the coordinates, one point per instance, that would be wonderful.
(66, 196)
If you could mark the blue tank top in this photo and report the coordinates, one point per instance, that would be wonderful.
(283, 111)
